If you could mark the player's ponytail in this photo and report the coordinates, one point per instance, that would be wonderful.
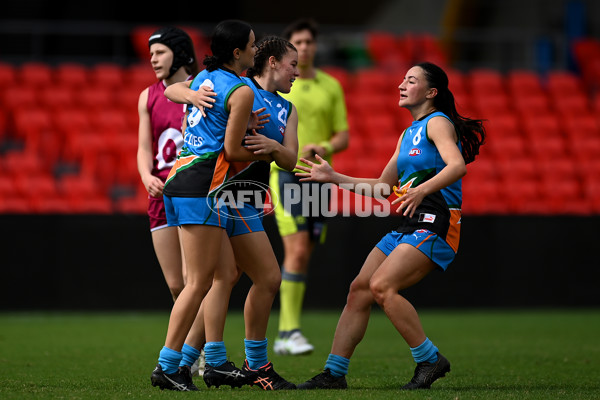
(471, 132)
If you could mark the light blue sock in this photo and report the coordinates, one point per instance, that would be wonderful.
(215, 353)
(256, 353)
(190, 355)
(169, 360)
(426, 351)
(337, 365)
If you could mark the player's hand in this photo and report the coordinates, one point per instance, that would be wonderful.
(311, 150)
(259, 144)
(154, 186)
(204, 98)
(258, 120)
(321, 172)
(409, 199)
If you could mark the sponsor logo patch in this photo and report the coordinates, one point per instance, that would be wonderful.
(424, 217)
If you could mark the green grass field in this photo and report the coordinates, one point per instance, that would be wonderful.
(550, 354)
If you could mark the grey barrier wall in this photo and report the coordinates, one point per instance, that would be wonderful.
(68, 262)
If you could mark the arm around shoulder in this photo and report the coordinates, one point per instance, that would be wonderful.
(240, 106)
(180, 92)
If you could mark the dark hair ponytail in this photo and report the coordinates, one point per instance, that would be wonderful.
(471, 132)
(227, 36)
(267, 47)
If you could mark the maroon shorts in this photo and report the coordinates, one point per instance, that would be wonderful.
(156, 212)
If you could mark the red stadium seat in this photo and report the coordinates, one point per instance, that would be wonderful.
(345, 165)
(3, 124)
(588, 169)
(57, 97)
(483, 197)
(7, 186)
(97, 97)
(524, 168)
(524, 83)
(558, 193)
(139, 39)
(72, 125)
(486, 152)
(376, 102)
(507, 148)
(376, 126)
(132, 205)
(559, 168)
(199, 39)
(127, 171)
(85, 144)
(71, 121)
(78, 187)
(127, 100)
(503, 125)
(110, 123)
(563, 83)
(570, 104)
(108, 75)
(342, 75)
(585, 49)
(457, 82)
(35, 74)
(8, 75)
(520, 193)
(581, 125)
(403, 119)
(464, 104)
(139, 76)
(484, 81)
(541, 125)
(596, 103)
(32, 122)
(430, 49)
(548, 148)
(585, 147)
(84, 195)
(72, 75)
(532, 104)
(355, 123)
(99, 163)
(586, 52)
(591, 187)
(49, 204)
(95, 205)
(15, 98)
(39, 184)
(15, 205)
(375, 80)
(489, 105)
(483, 169)
(386, 49)
(22, 162)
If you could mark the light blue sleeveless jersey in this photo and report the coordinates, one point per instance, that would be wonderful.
(207, 135)
(201, 167)
(419, 160)
(280, 110)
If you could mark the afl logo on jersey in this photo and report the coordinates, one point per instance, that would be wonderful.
(414, 152)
